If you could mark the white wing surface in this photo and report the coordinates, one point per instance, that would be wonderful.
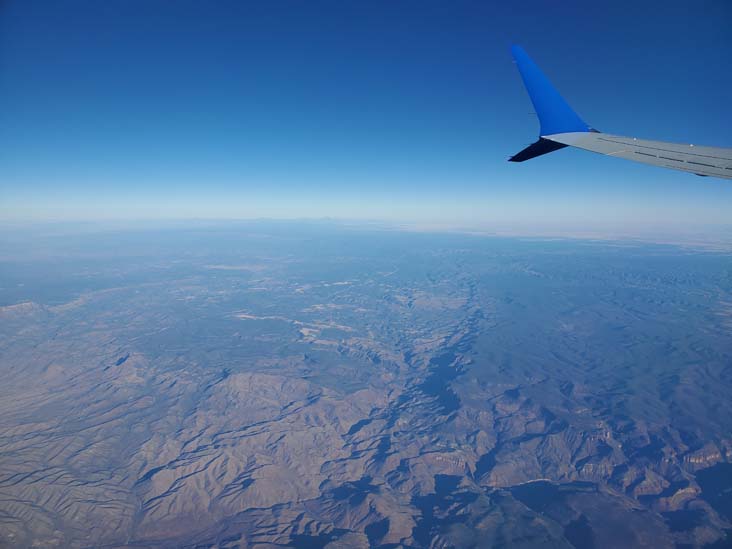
(562, 127)
(699, 160)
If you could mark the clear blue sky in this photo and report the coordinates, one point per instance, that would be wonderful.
(387, 110)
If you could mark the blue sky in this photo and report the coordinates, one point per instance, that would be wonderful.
(381, 110)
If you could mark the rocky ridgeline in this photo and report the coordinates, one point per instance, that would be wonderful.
(385, 411)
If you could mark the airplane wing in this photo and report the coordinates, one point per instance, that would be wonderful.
(562, 127)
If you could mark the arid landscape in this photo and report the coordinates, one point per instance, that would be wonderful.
(316, 385)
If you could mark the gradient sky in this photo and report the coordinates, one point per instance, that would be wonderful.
(390, 110)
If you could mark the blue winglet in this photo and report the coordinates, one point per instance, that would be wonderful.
(555, 115)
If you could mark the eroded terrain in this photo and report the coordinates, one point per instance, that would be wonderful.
(310, 386)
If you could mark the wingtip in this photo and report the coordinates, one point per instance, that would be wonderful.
(555, 114)
(539, 148)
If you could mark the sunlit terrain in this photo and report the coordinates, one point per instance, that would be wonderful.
(313, 385)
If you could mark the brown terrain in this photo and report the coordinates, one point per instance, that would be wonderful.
(467, 394)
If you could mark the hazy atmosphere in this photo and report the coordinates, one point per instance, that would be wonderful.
(401, 111)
